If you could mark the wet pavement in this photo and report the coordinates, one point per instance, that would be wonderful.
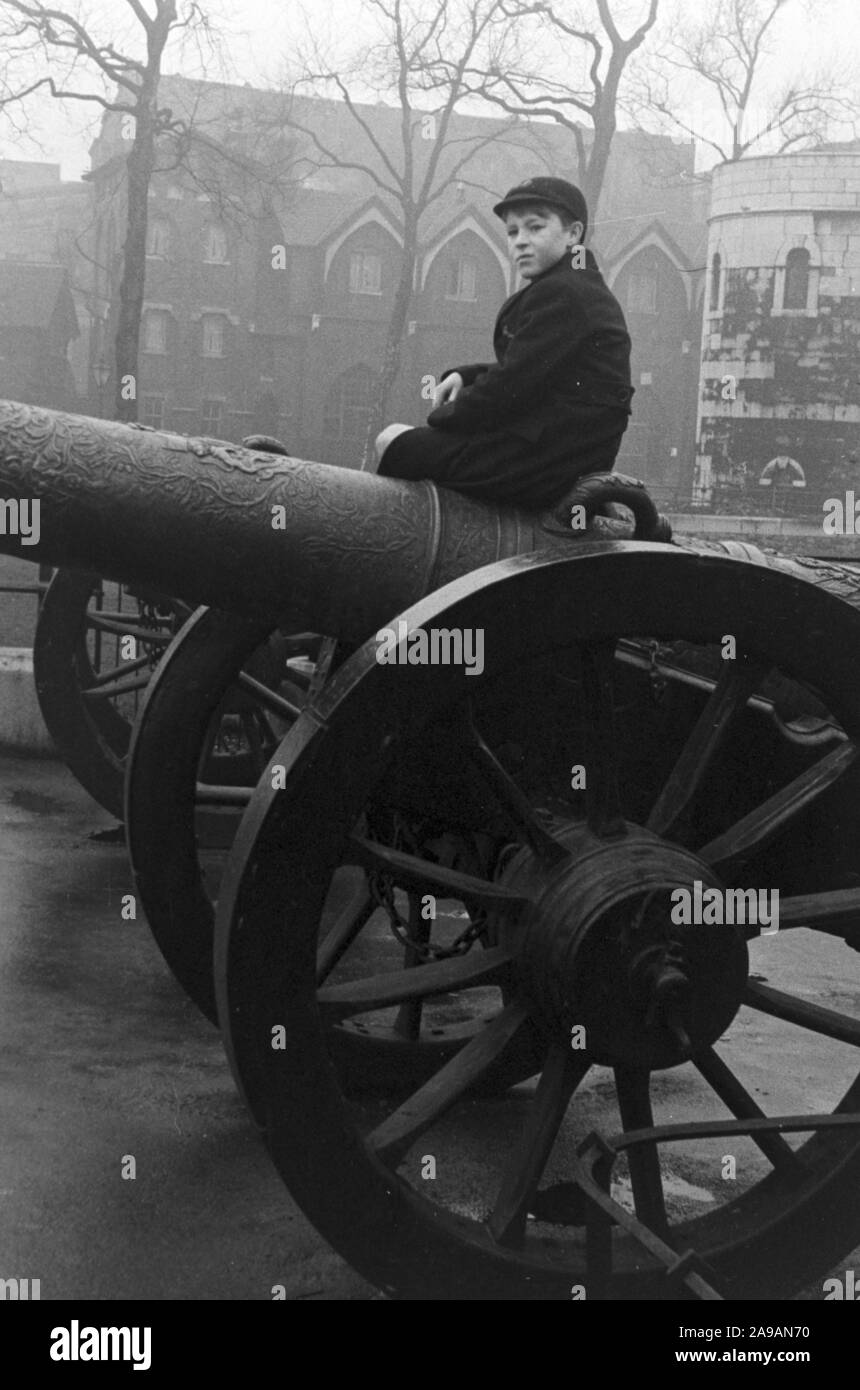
(102, 1059)
(104, 1062)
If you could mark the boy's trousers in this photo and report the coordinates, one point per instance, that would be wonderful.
(502, 467)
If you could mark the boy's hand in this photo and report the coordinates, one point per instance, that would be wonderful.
(448, 389)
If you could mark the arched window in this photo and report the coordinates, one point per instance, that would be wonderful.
(796, 279)
(158, 237)
(716, 282)
(348, 404)
(782, 472)
(215, 244)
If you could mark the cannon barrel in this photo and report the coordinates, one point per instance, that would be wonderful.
(253, 533)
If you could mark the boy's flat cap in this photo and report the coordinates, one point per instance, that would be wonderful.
(557, 193)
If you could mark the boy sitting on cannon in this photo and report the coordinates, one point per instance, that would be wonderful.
(556, 402)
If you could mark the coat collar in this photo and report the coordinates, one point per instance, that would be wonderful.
(561, 267)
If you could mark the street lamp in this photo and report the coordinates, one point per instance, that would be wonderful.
(101, 372)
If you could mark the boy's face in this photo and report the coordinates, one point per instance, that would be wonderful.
(537, 238)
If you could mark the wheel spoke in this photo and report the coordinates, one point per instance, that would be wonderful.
(154, 636)
(412, 872)
(836, 912)
(125, 685)
(741, 1104)
(560, 1077)
(519, 809)
(116, 672)
(603, 797)
(727, 700)
(392, 1138)
(210, 794)
(113, 615)
(350, 921)
(268, 698)
(396, 986)
(790, 1009)
(634, 1102)
(270, 739)
(759, 827)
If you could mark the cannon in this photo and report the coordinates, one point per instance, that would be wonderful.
(95, 648)
(512, 898)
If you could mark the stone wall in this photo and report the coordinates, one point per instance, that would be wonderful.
(781, 377)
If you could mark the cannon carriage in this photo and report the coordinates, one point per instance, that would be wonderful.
(443, 946)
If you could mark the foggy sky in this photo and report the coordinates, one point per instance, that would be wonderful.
(260, 37)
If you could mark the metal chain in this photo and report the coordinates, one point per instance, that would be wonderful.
(381, 888)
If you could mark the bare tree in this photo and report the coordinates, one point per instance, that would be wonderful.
(421, 61)
(83, 66)
(566, 63)
(725, 55)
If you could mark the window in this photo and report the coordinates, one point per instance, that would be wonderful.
(462, 278)
(365, 273)
(152, 411)
(158, 237)
(210, 417)
(782, 471)
(215, 244)
(155, 331)
(716, 285)
(213, 335)
(642, 293)
(348, 404)
(796, 279)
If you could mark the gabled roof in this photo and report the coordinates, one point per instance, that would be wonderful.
(310, 216)
(31, 293)
(685, 242)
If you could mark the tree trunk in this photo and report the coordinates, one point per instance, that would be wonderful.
(139, 168)
(393, 351)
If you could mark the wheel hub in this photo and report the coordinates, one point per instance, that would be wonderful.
(598, 950)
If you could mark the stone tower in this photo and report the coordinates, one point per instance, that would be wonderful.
(779, 387)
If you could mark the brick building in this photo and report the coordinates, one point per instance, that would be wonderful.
(269, 312)
(44, 221)
(37, 323)
(779, 394)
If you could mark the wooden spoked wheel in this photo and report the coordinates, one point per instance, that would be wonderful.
(224, 694)
(661, 1048)
(172, 790)
(96, 646)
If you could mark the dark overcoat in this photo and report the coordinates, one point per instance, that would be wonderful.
(553, 406)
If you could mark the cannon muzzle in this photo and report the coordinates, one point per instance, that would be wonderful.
(308, 544)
